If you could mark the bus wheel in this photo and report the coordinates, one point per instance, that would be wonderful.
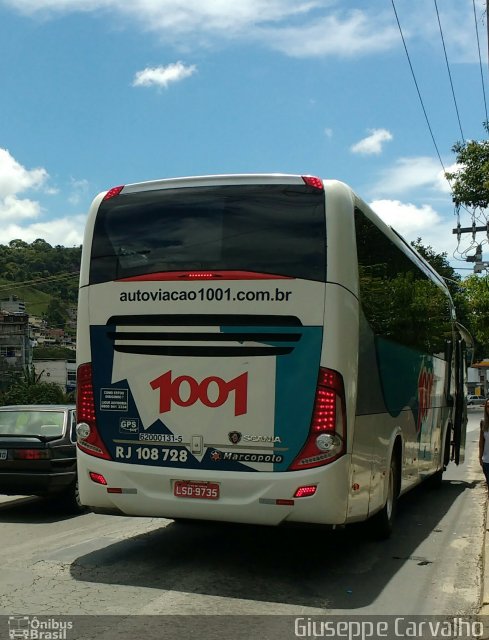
(70, 499)
(435, 481)
(382, 522)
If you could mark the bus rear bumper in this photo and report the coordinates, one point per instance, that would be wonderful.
(253, 498)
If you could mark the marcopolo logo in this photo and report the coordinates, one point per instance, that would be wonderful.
(185, 391)
(32, 628)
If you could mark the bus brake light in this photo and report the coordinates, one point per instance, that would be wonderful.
(312, 181)
(112, 193)
(88, 437)
(201, 275)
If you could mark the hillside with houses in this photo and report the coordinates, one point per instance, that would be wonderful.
(38, 295)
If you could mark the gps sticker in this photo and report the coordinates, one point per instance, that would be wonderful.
(128, 425)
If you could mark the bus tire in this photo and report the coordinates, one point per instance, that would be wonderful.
(70, 499)
(435, 481)
(381, 524)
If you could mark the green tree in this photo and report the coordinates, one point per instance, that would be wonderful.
(27, 389)
(440, 264)
(54, 353)
(475, 297)
(470, 183)
(464, 294)
(18, 244)
(56, 313)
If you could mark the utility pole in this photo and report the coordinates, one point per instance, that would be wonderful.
(479, 265)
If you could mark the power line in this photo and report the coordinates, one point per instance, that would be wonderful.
(480, 59)
(417, 87)
(449, 72)
(487, 22)
(47, 279)
(422, 102)
(477, 257)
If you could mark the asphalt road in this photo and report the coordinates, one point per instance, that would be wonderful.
(53, 565)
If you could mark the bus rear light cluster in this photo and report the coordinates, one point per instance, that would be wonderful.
(327, 433)
(88, 438)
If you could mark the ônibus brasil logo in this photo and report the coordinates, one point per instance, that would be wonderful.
(212, 391)
(33, 628)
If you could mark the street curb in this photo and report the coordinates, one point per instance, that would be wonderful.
(4, 499)
(484, 605)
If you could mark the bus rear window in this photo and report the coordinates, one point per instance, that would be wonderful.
(272, 229)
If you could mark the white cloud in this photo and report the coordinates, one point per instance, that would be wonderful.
(413, 222)
(163, 76)
(79, 189)
(372, 144)
(299, 28)
(457, 20)
(453, 168)
(67, 232)
(16, 210)
(13, 208)
(333, 35)
(406, 218)
(176, 17)
(412, 173)
(14, 178)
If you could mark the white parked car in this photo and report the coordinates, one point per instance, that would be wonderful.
(475, 400)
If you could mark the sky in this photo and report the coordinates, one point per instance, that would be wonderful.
(99, 93)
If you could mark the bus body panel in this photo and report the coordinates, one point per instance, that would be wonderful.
(342, 263)
(244, 497)
(164, 383)
(254, 410)
(83, 347)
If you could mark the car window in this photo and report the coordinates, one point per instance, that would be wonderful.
(36, 423)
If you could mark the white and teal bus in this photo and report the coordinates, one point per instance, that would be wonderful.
(260, 349)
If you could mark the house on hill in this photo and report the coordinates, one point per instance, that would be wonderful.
(57, 370)
(15, 345)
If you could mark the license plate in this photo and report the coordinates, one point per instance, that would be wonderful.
(199, 490)
(3, 454)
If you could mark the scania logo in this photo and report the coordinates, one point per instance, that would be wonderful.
(236, 436)
(259, 438)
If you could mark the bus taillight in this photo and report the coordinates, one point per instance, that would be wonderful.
(88, 438)
(327, 434)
